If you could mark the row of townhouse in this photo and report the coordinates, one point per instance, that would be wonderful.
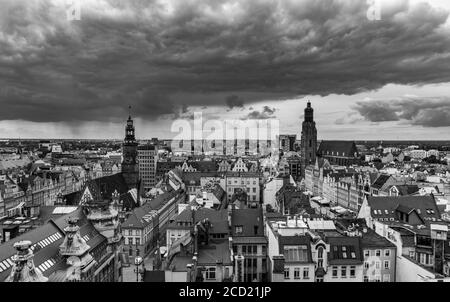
(25, 194)
(414, 225)
(144, 226)
(343, 187)
(231, 183)
(216, 245)
(299, 253)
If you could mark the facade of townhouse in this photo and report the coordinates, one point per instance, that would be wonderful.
(249, 244)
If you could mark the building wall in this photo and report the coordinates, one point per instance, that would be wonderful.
(340, 278)
(260, 257)
(175, 276)
(292, 267)
(147, 168)
(374, 265)
(249, 183)
(270, 192)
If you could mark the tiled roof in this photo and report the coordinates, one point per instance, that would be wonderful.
(344, 250)
(370, 239)
(250, 220)
(380, 181)
(385, 207)
(143, 215)
(46, 241)
(218, 219)
(348, 148)
(404, 190)
(209, 255)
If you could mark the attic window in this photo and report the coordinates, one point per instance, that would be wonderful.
(353, 255)
(386, 211)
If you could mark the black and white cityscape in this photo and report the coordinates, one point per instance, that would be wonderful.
(225, 141)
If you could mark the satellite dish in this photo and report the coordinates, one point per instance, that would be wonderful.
(74, 261)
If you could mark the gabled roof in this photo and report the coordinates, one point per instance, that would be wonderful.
(404, 190)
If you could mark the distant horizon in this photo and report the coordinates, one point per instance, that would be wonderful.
(169, 139)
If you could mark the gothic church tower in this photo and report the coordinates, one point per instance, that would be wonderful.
(308, 139)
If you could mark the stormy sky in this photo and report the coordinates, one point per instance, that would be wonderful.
(260, 59)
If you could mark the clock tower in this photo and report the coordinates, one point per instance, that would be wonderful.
(130, 168)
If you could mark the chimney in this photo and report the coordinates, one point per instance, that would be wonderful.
(278, 264)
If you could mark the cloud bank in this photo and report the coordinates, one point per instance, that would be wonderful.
(156, 55)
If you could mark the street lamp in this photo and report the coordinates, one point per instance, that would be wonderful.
(137, 262)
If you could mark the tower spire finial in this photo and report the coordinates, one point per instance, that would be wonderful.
(129, 111)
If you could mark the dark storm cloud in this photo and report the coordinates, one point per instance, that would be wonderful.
(426, 112)
(156, 55)
(376, 111)
(264, 114)
(234, 101)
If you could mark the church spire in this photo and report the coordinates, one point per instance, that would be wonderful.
(308, 139)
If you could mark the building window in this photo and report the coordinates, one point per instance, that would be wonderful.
(211, 273)
(387, 253)
(286, 273)
(138, 241)
(378, 253)
(366, 264)
(377, 264)
(306, 273)
(387, 264)
(343, 271)
(238, 229)
(296, 273)
(130, 240)
(366, 253)
(295, 253)
(335, 272)
(352, 271)
(411, 254)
